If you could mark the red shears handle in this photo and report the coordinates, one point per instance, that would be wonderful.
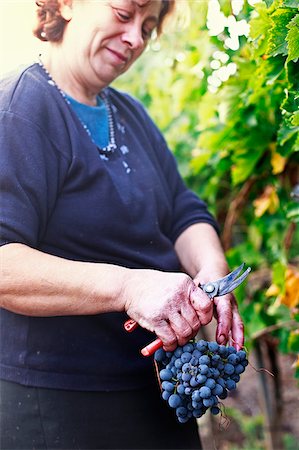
(131, 325)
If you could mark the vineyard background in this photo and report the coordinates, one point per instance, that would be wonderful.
(224, 90)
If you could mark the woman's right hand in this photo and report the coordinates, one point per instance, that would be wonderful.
(168, 304)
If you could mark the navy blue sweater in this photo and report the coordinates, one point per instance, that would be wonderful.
(60, 195)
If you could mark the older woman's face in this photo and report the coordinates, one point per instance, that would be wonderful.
(103, 38)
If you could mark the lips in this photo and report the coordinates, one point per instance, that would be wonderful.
(118, 56)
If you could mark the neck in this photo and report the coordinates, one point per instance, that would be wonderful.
(67, 79)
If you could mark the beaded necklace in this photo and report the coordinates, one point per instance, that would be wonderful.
(112, 143)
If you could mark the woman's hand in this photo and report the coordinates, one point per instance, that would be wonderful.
(230, 326)
(200, 252)
(168, 304)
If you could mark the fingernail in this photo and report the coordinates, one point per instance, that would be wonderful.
(222, 339)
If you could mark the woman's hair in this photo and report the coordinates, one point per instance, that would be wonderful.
(50, 24)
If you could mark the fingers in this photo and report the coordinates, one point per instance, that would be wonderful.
(224, 322)
(202, 304)
(167, 335)
(230, 325)
(179, 328)
(195, 311)
(185, 323)
(189, 313)
(237, 331)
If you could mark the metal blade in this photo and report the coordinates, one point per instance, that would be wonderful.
(233, 283)
(223, 283)
(226, 284)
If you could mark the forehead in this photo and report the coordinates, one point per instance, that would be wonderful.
(153, 5)
(143, 3)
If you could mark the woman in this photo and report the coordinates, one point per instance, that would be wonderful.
(96, 226)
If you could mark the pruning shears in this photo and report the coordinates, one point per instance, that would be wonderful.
(212, 289)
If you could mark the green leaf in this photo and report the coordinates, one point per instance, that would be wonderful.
(290, 3)
(293, 342)
(269, 3)
(244, 162)
(286, 132)
(278, 274)
(293, 39)
(293, 213)
(201, 159)
(295, 119)
(278, 33)
(260, 24)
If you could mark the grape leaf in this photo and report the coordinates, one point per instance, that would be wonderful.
(292, 212)
(278, 163)
(260, 24)
(278, 33)
(293, 344)
(268, 201)
(291, 295)
(286, 132)
(293, 39)
(295, 119)
(290, 3)
(244, 164)
(269, 3)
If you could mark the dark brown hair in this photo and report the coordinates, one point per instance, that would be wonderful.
(50, 24)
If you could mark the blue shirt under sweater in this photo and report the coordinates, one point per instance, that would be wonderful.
(60, 194)
(95, 118)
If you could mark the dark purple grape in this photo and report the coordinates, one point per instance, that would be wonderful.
(202, 345)
(168, 386)
(205, 392)
(229, 369)
(180, 389)
(230, 384)
(204, 359)
(215, 410)
(188, 347)
(239, 369)
(174, 400)
(204, 369)
(185, 357)
(166, 374)
(166, 395)
(213, 346)
(201, 378)
(211, 383)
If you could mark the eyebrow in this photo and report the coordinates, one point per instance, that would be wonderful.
(143, 5)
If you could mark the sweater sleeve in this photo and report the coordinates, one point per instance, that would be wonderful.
(188, 208)
(30, 178)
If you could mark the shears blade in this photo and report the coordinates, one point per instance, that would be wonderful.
(226, 284)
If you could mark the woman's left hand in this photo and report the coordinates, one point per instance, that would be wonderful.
(230, 327)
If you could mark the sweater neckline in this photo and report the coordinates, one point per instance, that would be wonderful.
(111, 146)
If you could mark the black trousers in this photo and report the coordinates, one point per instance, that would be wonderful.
(38, 418)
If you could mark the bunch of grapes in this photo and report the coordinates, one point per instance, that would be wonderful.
(198, 376)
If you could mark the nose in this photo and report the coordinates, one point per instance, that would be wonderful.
(133, 37)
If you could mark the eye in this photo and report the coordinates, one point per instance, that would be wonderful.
(147, 33)
(123, 16)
